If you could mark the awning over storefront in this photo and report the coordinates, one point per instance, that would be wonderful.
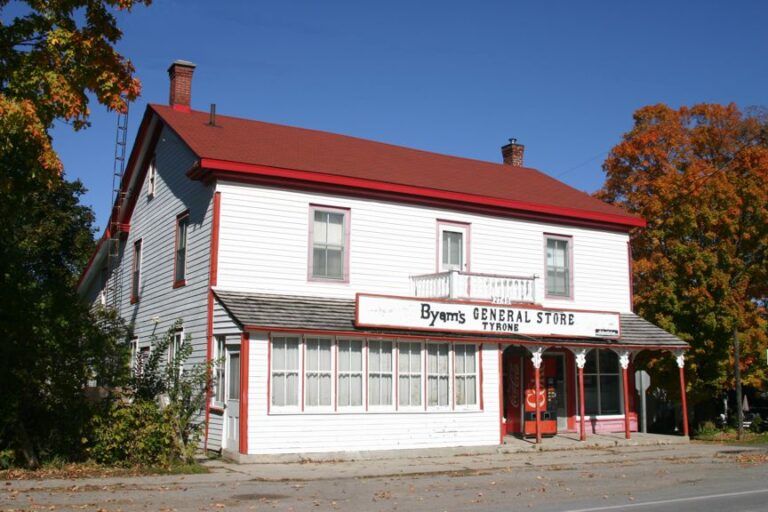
(287, 312)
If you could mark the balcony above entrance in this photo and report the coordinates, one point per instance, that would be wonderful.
(454, 284)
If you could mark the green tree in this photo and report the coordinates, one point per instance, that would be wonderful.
(52, 57)
(159, 420)
(699, 177)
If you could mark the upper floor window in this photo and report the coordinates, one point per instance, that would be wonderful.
(452, 246)
(151, 177)
(136, 272)
(329, 241)
(559, 266)
(180, 262)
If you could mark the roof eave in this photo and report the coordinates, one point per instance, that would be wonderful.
(208, 168)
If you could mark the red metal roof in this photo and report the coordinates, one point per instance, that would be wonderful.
(255, 143)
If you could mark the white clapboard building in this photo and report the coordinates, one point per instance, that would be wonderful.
(365, 296)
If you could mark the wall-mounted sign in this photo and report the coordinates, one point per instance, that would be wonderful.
(447, 316)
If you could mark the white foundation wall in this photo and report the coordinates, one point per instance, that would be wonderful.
(273, 433)
(263, 248)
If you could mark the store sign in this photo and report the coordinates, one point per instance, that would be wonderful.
(446, 316)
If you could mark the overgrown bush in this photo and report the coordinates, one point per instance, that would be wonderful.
(135, 433)
(158, 421)
(757, 424)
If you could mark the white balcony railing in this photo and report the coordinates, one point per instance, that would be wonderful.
(472, 286)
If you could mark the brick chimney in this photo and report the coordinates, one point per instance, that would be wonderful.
(181, 84)
(512, 153)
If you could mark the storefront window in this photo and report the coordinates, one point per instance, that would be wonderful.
(409, 371)
(379, 373)
(438, 375)
(350, 373)
(602, 383)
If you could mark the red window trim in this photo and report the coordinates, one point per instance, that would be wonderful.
(571, 293)
(138, 247)
(347, 212)
(178, 283)
(395, 407)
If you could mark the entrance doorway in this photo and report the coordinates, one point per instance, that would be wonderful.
(557, 360)
(232, 398)
(520, 392)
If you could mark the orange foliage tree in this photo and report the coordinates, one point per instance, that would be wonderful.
(52, 56)
(699, 176)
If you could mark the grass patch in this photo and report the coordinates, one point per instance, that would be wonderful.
(729, 437)
(70, 471)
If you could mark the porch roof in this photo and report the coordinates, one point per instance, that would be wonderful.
(300, 313)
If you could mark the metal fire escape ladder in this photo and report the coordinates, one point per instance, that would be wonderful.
(114, 269)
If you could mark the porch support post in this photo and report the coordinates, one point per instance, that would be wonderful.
(624, 361)
(680, 358)
(581, 360)
(536, 359)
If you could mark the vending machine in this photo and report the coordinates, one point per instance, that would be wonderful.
(547, 398)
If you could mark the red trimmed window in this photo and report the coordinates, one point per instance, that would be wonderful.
(350, 373)
(465, 374)
(409, 374)
(329, 244)
(559, 266)
(438, 375)
(136, 272)
(180, 261)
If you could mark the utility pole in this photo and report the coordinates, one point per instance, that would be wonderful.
(737, 376)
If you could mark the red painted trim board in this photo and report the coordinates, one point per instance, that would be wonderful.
(244, 367)
(212, 277)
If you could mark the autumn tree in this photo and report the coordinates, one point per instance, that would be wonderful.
(54, 57)
(699, 176)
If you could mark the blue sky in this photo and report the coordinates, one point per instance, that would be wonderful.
(460, 78)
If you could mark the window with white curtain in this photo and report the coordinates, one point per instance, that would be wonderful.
(285, 371)
(379, 373)
(465, 374)
(409, 374)
(558, 267)
(318, 373)
(350, 373)
(438, 375)
(218, 371)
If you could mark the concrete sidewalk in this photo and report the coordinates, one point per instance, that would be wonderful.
(561, 449)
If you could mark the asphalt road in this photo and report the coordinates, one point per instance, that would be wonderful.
(684, 478)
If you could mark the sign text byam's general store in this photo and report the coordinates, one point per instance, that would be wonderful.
(414, 313)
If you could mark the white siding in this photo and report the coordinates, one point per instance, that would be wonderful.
(308, 432)
(154, 221)
(264, 248)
